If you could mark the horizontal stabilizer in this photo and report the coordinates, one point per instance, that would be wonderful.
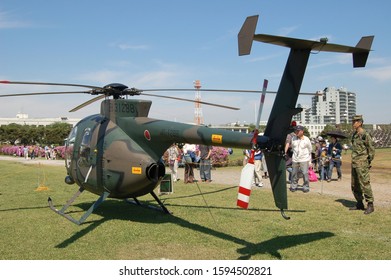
(301, 44)
(246, 36)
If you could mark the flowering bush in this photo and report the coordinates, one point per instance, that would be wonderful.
(12, 150)
(219, 156)
(60, 150)
(17, 151)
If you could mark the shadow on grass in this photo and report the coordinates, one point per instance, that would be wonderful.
(24, 208)
(118, 210)
(273, 245)
(234, 208)
(346, 203)
(203, 193)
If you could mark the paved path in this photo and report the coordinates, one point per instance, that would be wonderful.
(34, 161)
(339, 189)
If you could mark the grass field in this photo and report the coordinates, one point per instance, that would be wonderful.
(205, 224)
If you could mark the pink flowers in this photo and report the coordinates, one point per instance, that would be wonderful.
(18, 151)
(219, 156)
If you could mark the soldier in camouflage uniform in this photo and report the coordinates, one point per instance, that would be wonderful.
(363, 153)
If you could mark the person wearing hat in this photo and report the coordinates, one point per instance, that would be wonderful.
(301, 158)
(363, 152)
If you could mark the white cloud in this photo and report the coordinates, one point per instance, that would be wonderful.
(132, 47)
(265, 57)
(285, 31)
(127, 46)
(381, 74)
(7, 22)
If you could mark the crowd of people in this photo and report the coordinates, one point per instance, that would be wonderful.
(328, 156)
(199, 157)
(191, 157)
(301, 160)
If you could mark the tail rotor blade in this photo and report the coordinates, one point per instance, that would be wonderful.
(261, 103)
(246, 179)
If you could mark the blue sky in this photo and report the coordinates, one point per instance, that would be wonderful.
(169, 44)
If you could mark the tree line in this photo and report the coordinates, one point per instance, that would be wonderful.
(17, 134)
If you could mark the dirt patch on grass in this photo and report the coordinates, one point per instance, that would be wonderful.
(380, 178)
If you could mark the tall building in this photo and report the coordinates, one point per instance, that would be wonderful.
(304, 116)
(330, 106)
(333, 106)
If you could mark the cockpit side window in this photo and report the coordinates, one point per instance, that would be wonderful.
(70, 141)
(85, 145)
(72, 136)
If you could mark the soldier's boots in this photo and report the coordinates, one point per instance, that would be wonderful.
(370, 208)
(359, 206)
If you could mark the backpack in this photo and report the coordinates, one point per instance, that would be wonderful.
(312, 175)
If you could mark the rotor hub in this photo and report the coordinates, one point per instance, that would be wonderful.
(116, 90)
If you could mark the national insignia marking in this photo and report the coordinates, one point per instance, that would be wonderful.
(147, 135)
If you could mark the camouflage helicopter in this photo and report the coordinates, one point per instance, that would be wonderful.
(117, 153)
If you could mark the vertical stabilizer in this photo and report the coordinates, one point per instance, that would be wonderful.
(360, 57)
(246, 35)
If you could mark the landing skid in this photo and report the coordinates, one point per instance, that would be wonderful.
(162, 207)
(69, 202)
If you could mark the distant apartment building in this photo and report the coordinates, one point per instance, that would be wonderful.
(304, 117)
(330, 106)
(333, 106)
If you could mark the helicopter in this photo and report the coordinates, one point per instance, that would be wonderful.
(117, 152)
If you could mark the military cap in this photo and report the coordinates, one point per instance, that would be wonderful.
(357, 118)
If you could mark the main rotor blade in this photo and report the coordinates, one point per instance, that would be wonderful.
(221, 90)
(48, 84)
(190, 100)
(87, 103)
(42, 93)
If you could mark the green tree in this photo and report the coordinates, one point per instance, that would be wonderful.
(13, 133)
(57, 132)
(32, 135)
(2, 134)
